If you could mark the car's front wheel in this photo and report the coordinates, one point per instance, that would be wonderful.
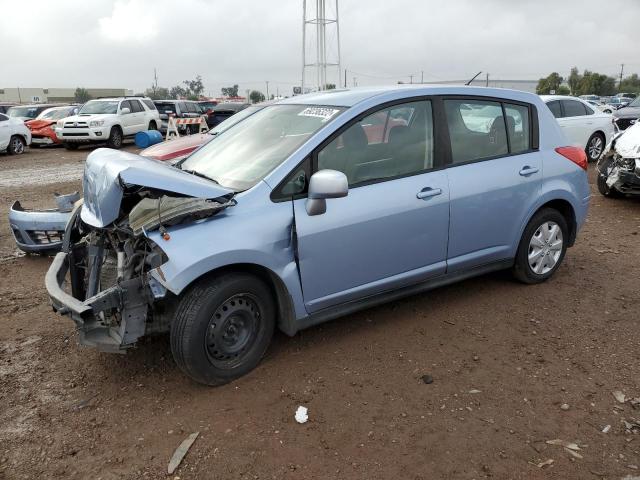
(115, 138)
(222, 328)
(542, 247)
(16, 145)
(595, 147)
(605, 190)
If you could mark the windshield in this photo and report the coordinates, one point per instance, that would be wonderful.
(246, 153)
(99, 106)
(55, 113)
(24, 112)
(232, 120)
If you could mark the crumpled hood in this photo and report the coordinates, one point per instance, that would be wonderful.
(37, 124)
(628, 144)
(107, 172)
(177, 147)
(627, 112)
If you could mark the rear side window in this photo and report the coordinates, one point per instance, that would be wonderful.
(149, 104)
(518, 127)
(573, 108)
(477, 130)
(555, 108)
(135, 106)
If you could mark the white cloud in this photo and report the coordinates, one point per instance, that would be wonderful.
(130, 20)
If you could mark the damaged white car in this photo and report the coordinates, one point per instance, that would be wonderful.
(619, 166)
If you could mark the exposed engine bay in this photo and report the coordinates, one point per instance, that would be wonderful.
(619, 166)
(110, 295)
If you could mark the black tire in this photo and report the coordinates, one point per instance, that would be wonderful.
(71, 146)
(222, 327)
(153, 125)
(606, 190)
(522, 270)
(115, 138)
(16, 145)
(599, 138)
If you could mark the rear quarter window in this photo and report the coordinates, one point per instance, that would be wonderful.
(555, 108)
(149, 104)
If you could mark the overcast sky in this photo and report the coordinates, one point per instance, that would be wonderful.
(117, 43)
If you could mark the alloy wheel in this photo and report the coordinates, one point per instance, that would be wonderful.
(545, 248)
(17, 146)
(595, 147)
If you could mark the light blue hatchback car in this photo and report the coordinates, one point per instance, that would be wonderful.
(313, 208)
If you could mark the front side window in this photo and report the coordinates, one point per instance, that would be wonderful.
(573, 108)
(249, 150)
(477, 130)
(126, 104)
(93, 107)
(393, 142)
(3, 118)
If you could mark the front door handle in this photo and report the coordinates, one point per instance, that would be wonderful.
(428, 192)
(527, 170)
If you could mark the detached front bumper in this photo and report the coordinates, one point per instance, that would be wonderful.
(127, 300)
(37, 231)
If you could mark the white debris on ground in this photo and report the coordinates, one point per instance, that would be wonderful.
(180, 452)
(302, 415)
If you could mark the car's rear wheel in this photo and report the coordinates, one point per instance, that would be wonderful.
(222, 328)
(153, 125)
(606, 190)
(16, 145)
(595, 147)
(115, 138)
(542, 247)
(71, 146)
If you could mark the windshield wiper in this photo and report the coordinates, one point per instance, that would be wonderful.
(201, 175)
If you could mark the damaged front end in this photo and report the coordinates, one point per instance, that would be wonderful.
(102, 278)
(619, 165)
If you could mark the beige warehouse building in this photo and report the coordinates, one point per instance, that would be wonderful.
(55, 95)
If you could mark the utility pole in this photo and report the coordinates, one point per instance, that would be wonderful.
(410, 78)
(321, 24)
(345, 78)
(621, 73)
(355, 84)
(487, 83)
(155, 81)
(268, 90)
(422, 76)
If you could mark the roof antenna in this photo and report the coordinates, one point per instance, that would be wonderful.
(474, 77)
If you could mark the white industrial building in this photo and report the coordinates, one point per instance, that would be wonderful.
(55, 95)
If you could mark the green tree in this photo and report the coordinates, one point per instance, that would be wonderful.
(230, 91)
(177, 92)
(195, 88)
(82, 95)
(157, 93)
(256, 97)
(574, 81)
(549, 84)
(563, 90)
(630, 84)
(593, 83)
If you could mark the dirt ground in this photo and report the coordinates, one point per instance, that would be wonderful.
(513, 366)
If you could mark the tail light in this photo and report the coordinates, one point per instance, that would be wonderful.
(575, 154)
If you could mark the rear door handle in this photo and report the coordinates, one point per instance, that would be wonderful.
(528, 171)
(428, 192)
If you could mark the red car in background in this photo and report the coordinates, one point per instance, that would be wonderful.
(42, 127)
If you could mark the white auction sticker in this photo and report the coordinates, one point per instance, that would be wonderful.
(320, 112)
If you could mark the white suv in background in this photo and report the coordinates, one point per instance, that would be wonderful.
(108, 120)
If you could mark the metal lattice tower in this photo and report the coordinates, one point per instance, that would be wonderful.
(320, 45)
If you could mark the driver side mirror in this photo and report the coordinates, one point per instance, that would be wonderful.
(125, 110)
(322, 185)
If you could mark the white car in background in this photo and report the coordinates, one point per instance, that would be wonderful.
(583, 125)
(14, 135)
(108, 120)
